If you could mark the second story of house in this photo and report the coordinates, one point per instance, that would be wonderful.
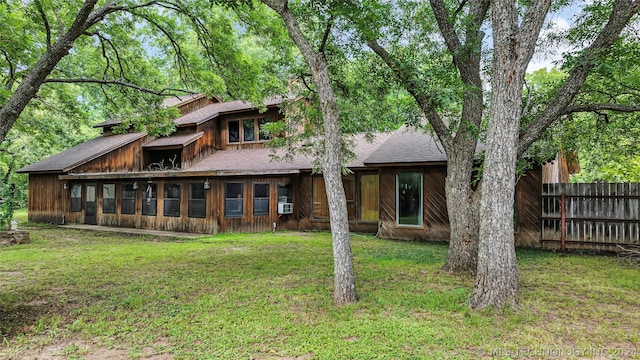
(205, 125)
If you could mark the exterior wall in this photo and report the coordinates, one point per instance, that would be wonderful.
(195, 105)
(529, 208)
(125, 158)
(304, 208)
(48, 200)
(202, 147)
(435, 222)
(214, 222)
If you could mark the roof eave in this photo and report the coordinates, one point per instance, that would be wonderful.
(173, 174)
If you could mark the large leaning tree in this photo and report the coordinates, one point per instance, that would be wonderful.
(331, 163)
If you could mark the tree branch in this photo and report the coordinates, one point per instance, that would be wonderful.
(530, 30)
(12, 70)
(601, 107)
(423, 100)
(47, 27)
(326, 34)
(622, 12)
(163, 92)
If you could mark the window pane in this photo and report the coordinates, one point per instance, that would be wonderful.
(197, 201)
(234, 131)
(369, 193)
(108, 198)
(248, 130)
(409, 198)
(91, 193)
(149, 200)
(128, 200)
(262, 133)
(320, 205)
(260, 199)
(76, 197)
(233, 200)
(284, 193)
(172, 199)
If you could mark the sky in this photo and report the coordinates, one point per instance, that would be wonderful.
(546, 56)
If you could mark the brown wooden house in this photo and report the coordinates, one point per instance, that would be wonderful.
(214, 174)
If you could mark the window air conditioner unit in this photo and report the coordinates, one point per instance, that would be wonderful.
(285, 208)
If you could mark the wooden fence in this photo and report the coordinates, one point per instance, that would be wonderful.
(596, 216)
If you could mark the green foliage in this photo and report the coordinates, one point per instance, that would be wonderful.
(606, 141)
(10, 202)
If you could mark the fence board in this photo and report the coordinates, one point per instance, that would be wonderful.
(596, 216)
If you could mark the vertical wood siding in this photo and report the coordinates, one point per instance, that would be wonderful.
(48, 200)
(125, 158)
(528, 205)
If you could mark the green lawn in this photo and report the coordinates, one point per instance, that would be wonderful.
(74, 294)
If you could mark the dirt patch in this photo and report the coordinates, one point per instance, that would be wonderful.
(65, 348)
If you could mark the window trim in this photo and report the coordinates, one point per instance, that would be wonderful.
(420, 208)
(126, 199)
(268, 198)
(242, 197)
(71, 207)
(143, 199)
(256, 130)
(113, 198)
(190, 199)
(171, 199)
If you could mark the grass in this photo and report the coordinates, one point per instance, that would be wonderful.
(74, 294)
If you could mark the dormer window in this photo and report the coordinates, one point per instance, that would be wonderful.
(247, 130)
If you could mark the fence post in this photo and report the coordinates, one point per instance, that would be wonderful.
(563, 228)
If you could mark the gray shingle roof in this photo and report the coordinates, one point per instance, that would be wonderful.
(408, 146)
(260, 159)
(80, 154)
(177, 141)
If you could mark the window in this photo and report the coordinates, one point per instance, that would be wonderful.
(284, 193)
(150, 200)
(233, 200)
(108, 198)
(369, 197)
(128, 200)
(197, 201)
(234, 131)
(76, 197)
(245, 130)
(248, 130)
(172, 199)
(263, 134)
(409, 199)
(261, 199)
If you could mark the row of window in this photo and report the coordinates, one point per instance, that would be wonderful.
(408, 198)
(247, 130)
(197, 201)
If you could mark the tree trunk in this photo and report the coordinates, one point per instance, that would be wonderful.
(463, 209)
(344, 276)
(497, 278)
